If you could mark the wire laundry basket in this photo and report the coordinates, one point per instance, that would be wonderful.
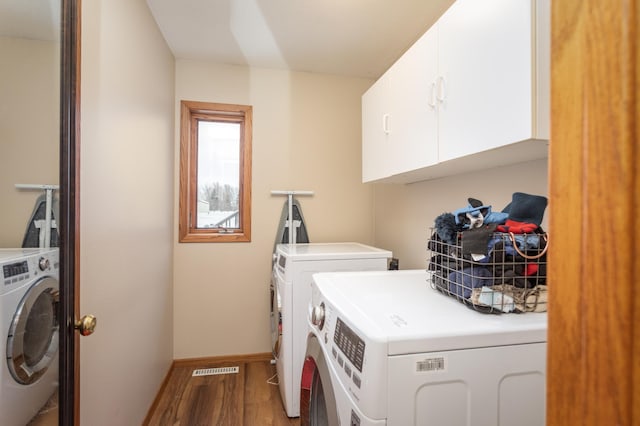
(508, 276)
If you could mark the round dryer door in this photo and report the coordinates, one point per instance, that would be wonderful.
(33, 335)
(276, 316)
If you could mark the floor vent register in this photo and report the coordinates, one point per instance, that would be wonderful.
(215, 371)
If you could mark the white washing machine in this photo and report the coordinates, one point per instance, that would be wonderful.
(290, 295)
(387, 349)
(29, 293)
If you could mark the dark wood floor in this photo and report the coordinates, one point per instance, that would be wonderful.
(238, 399)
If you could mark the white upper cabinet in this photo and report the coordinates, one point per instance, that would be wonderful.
(376, 130)
(486, 61)
(399, 114)
(472, 93)
(414, 109)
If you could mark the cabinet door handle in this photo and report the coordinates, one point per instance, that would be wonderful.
(385, 123)
(442, 93)
(432, 95)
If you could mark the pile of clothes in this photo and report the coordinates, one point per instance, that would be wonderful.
(492, 261)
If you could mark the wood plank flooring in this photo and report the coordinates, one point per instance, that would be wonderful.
(237, 399)
(48, 415)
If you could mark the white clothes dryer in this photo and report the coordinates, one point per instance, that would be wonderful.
(29, 293)
(385, 348)
(290, 295)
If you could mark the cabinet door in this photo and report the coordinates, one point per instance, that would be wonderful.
(376, 106)
(413, 121)
(485, 60)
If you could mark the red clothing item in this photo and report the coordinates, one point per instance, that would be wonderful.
(517, 227)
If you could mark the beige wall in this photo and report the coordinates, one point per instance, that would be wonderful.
(29, 128)
(404, 214)
(306, 136)
(126, 211)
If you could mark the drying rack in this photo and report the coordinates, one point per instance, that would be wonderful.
(292, 225)
(48, 223)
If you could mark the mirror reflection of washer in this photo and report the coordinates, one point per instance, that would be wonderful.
(29, 297)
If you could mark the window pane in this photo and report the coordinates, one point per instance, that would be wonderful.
(215, 172)
(218, 177)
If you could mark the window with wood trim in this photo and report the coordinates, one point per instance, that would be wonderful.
(215, 172)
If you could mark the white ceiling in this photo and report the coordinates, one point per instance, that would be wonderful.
(345, 37)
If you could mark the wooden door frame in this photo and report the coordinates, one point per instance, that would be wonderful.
(594, 311)
(69, 223)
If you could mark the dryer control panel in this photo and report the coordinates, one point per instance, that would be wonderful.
(351, 345)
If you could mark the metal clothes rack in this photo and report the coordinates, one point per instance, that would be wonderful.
(292, 225)
(45, 238)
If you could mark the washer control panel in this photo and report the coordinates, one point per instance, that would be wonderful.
(14, 272)
(21, 267)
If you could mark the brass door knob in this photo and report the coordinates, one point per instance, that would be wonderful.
(86, 325)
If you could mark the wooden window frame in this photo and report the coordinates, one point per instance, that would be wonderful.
(191, 112)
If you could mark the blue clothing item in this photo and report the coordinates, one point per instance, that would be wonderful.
(475, 212)
(526, 208)
(462, 282)
(496, 217)
(525, 242)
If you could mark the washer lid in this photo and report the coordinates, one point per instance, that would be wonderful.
(399, 309)
(327, 251)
